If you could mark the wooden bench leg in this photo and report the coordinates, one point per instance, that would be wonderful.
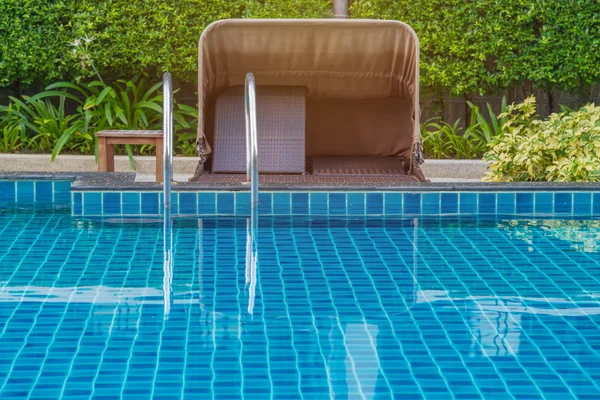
(159, 160)
(102, 156)
(110, 158)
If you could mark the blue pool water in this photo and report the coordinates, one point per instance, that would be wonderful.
(346, 308)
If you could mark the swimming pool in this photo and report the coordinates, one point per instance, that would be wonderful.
(457, 307)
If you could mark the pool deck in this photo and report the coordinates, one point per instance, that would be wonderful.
(126, 181)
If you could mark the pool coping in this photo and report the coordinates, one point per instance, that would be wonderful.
(125, 181)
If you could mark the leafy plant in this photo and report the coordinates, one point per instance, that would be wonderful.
(131, 104)
(12, 126)
(564, 147)
(489, 130)
(443, 140)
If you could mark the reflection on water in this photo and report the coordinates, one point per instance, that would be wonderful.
(582, 235)
(366, 312)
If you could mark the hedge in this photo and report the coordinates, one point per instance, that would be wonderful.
(130, 35)
(468, 46)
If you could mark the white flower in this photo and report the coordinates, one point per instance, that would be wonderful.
(76, 43)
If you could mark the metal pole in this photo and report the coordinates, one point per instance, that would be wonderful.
(167, 138)
(251, 138)
(340, 8)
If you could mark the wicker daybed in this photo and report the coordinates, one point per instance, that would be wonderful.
(334, 97)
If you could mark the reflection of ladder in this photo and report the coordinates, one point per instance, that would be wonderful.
(251, 258)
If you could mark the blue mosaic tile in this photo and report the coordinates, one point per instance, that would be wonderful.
(77, 203)
(506, 203)
(25, 192)
(43, 192)
(544, 203)
(563, 202)
(319, 203)
(281, 203)
(242, 203)
(92, 203)
(356, 203)
(7, 192)
(225, 203)
(188, 203)
(430, 203)
(111, 203)
(265, 203)
(62, 192)
(207, 203)
(582, 203)
(487, 203)
(337, 203)
(596, 203)
(412, 203)
(449, 203)
(131, 203)
(300, 204)
(524, 203)
(374, 204)
(393, 203)
(468, 203)
(449, 308)
(149, 203)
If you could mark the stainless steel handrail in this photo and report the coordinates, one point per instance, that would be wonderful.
(167, 138)
(251, 140)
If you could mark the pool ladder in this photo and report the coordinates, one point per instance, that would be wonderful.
(251, 139)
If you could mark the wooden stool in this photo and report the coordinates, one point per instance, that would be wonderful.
(106, 154)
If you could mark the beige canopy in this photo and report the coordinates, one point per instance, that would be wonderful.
(362, 78)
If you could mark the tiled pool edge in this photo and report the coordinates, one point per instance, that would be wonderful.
(353, 203)
(65, 191)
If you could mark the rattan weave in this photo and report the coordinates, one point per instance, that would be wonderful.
(281, 130)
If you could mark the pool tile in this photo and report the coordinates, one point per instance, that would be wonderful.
(77, 203)
(43, 192)
(25, 192)
(506, 203)
(92, 203)
(111, 203)
(7, 192)
(374, 204)
(596, 203)
(265, 203)
(487, 203)
(430, 203)
(563, 202)
(356, 203)
(319, 203)
(449, 203)
(149, 203)
(582, 203)
(131, 202)
(281, 203)
(544, 203)
(393, 203)
(468, 202)
(62, 192)
(225, 203)
(242, 203)
(300, 203)
(337, 203)
(525, 203)
(207, 203)
(412, 203)
(188, 203)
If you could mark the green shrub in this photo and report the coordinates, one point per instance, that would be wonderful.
(34, 36)
(565, 147)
